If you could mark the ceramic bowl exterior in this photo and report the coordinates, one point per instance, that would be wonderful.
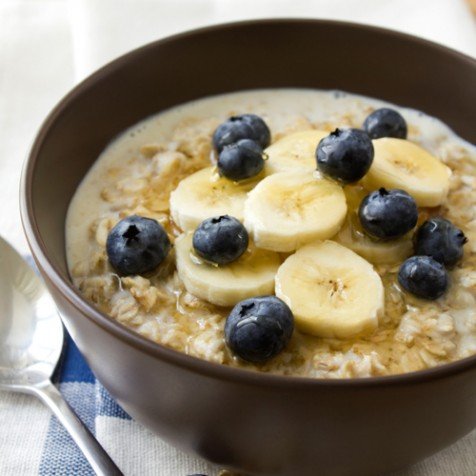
(258, 424)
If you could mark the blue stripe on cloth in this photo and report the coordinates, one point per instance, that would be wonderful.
(61, 456)
(107, 406)
(73, 366)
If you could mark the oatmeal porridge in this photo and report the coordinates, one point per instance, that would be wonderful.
(367, 315)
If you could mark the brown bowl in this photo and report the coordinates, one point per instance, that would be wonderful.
(256, 423)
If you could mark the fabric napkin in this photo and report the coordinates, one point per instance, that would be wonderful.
(45, 47)
(135, 450)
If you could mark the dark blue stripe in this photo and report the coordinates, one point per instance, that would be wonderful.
(107, 406)
(73, 367)
(61, 456)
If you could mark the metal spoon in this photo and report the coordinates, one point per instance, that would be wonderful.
(31, 341)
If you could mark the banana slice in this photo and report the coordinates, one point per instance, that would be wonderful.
(289, 209)
(204, 194)
(331, 291)
(399, 163)
(353, 236)
(295, 152)
(250, 275)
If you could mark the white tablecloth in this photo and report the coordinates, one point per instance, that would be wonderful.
(46, 46)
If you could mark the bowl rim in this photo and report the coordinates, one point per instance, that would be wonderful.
(159, 351)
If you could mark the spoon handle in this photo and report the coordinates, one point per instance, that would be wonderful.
(97, 457)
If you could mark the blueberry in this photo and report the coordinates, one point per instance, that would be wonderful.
(385, 122)
(137, 245)
(424, 277)
(246, 126)
(241, 160)
(388, 214)
(220, 240)
(441, 240)
(259, 328)
(345, 155)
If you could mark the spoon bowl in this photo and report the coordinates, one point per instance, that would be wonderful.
(31, 341)
(31, 333)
